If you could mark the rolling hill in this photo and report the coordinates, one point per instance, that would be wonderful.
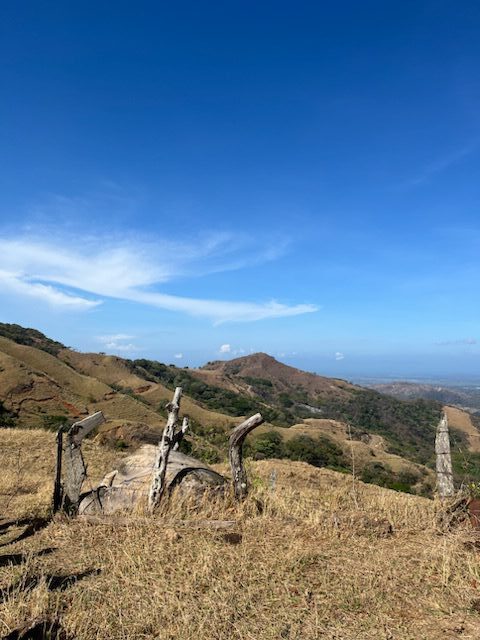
(326, 421)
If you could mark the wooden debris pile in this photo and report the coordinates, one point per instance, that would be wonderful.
(149, 473)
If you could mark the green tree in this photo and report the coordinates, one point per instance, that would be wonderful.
(7, 419)
(321, 452)
(268, 445)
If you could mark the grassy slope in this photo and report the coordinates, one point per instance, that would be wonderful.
(35, 383)
(114, 371)
(315, 562)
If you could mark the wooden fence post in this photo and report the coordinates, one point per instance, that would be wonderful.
(179, 436)
(444, 459)
(237, 437)
(157, 488)
(75, 470)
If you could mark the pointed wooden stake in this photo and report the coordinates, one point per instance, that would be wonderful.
(444, 459)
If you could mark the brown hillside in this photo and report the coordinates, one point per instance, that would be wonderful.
(114, 371)
(263, 366)
(462, 420)
(35, 385)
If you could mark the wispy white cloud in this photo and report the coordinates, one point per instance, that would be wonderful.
(462, 341)
(14, 283)
(118, 342)
(339, 356)
(225, 348)
(442, 164)
(56, 270)
(178, 356)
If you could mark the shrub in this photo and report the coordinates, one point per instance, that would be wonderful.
(382, 475)
(267, 445)
(53, 423)
(321, 452)
(7, 418)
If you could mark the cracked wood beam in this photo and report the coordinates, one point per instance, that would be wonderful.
(444, 459)
(237, 438)
(157, 488)
(75, 469)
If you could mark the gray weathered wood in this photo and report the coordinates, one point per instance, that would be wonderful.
(157, 487)
(237, 437)
(82, 428)
(127, 488)
(58, 487)
(75, 470)
(179, 436)
(444, 459)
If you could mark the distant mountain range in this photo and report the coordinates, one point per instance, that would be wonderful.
(325, 421)
(464, 396)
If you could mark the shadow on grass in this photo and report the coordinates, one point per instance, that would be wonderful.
(33, 525)
(14, 559)
(54, 582)
(38, 630)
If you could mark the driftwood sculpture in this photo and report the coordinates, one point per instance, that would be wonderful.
(445, 486)
(149, 473)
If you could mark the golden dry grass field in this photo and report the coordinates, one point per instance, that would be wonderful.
(315, 557)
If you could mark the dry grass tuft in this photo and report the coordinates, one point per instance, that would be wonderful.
(304, 561)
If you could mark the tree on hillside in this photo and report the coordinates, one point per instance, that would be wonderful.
(7, 418)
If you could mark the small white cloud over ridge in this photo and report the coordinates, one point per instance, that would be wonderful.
(118, 343)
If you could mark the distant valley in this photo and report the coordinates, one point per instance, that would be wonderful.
(463, 395)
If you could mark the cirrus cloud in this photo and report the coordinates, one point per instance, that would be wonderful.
(68, 277)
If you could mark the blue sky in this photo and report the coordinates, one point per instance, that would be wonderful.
(188, 181)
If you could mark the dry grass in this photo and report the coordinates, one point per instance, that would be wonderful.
(309, 561)
(462, 420)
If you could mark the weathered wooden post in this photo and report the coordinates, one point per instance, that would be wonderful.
(237, 437)
(75, 470)
(157, 488)
(445, 486)
(179, 436)
(57, 487)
